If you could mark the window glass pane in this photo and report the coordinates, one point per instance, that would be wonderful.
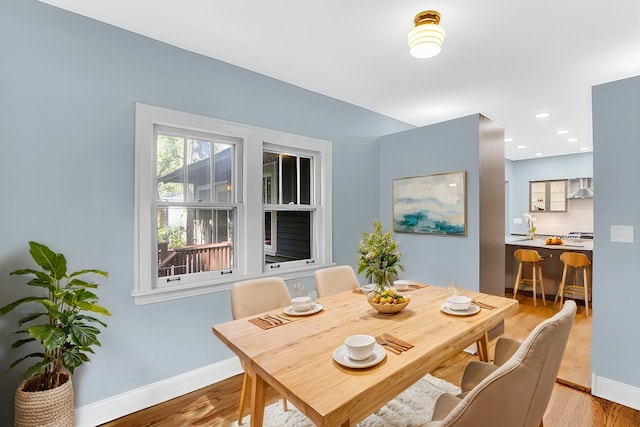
(267, 230)
(290, 236)
(194, 240)
(289, 179)
(169, 167)
(223, 172)
(305, 181)
(270, 173)
(198, 170)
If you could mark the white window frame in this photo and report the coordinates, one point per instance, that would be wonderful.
(249, 241)
(312, 208)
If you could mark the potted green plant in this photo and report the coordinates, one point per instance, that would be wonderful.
(379, 257)
(61, 325)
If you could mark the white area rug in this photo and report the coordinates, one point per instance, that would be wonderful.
(412, 407)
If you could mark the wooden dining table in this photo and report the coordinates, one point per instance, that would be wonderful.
(296, 358)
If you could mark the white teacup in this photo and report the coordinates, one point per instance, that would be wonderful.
(401, 284)
(301, 303)
(459, 302)
(360, 347)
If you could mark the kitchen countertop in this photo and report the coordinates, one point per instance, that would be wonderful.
(538, 242)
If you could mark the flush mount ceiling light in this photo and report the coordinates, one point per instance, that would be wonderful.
(425, 39)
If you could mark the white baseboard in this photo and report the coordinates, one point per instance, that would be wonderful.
(122, 404)
(615, 391)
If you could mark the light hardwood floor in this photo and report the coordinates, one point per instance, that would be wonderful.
(216, 405)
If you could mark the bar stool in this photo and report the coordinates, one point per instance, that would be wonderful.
(577, 261)
(529, 256)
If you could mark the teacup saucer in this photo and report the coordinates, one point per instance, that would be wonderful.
(315, 308)
(341, 355)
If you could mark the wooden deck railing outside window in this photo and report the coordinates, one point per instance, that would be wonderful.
(193, 259)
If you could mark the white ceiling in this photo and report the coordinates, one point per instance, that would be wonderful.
(505, 59)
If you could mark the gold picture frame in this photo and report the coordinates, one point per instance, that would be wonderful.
(431, 204)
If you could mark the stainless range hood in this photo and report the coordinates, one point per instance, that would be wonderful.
(580, 188)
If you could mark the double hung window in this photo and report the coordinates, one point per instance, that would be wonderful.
(218, 202)
(194, 201)
(289, 209)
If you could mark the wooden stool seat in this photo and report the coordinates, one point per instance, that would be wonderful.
(577, 261)
(529, 256)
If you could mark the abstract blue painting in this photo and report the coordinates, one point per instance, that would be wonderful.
(432, 204)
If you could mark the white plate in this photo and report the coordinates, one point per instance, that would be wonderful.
(341, 355)
(315, 307)
(473, 309)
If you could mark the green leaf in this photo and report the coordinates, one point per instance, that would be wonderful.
(67, 317)
(52, 309)
(98, 272)
(30, 317)
(77, 283)
(95, 308)
(7, 308)
(56, 264)
(51, 337)
(92, 319)
(71, 359)
(38, 367)
(21, 342)
(84, 335)
(84, 295)
(43, 280)
(24, 358)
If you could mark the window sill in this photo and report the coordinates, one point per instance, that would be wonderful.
(168, 293)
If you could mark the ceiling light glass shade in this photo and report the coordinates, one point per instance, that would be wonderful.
(425, 39)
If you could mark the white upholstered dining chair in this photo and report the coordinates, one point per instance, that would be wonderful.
(333, 280)
(252, 297)
(515, 390)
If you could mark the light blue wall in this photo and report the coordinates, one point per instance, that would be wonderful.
(520, 172)
(616, 147)
(67, 90)
(426, 151)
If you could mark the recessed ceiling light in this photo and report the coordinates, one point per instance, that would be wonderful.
(572, 139)
(508, 139)
(521, 147)
(562, 132)
(539, 154)
(542, 115)
(584, 148)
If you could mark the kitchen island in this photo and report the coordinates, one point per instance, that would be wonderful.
(551, 265)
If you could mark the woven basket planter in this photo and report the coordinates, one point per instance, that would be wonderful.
(49, 408)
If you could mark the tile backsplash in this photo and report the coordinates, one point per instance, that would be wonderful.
(579, 217)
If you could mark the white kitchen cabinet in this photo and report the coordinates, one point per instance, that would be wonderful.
(548, 196)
